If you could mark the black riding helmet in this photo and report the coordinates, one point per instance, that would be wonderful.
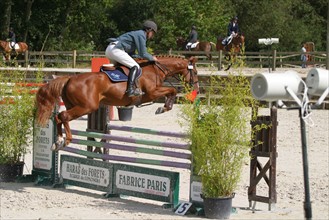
(150, 25)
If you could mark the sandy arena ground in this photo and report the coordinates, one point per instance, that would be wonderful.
(27, 201)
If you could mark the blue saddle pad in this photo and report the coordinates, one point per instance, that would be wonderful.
(116, 75)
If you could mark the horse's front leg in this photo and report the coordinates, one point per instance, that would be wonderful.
(170, 94)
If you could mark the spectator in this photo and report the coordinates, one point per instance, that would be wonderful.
(303, 56)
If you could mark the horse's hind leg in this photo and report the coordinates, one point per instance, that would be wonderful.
(65, 116)
(60, 140)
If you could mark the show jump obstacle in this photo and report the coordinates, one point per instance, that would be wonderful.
(115, 164)
(128, 171)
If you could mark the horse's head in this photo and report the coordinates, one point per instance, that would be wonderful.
(3, 45)
(180, 42)
(179, 66)
(238, 41)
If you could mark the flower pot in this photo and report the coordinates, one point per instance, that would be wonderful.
(218, 208)
(9, 172)
(125, 113)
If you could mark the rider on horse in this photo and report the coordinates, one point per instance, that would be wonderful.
(11, 38)
(192, 38)
(119, 51)
(232, 31)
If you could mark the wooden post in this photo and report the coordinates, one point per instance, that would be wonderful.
(74, 58)
(327, 57)
(261, 61)
(274, 60)
(26, 58)
(265, 146)
(220, 55)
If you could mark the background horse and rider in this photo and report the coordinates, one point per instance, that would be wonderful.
(205, 46)
(8, 50)
(233, 48)
(83, 93)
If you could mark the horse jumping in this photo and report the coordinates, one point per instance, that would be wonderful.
(83, 93)
(20, 47)
(204, 46)
(234, 47)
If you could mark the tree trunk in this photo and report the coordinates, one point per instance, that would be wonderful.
(5, 16)
(27, 18)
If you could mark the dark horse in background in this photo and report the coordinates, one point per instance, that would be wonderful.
(232, 49)
(204, 46)
(19, 48)
(83, 93)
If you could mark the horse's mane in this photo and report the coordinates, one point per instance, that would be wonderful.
(170, 56)
(141, 60)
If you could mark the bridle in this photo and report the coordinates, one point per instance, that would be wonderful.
(167, 72)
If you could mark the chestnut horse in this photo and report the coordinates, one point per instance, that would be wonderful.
(83, 93)
(205, 46)
(233, 48)
(20, 47)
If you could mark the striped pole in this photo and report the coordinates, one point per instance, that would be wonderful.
(130, 140)
(128, 159)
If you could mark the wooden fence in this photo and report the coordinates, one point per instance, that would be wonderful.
(270, 59)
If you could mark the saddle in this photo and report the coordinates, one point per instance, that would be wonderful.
(117, 73)
(15, 47)
(192, 45)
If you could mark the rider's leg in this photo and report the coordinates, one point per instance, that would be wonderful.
(188, 46)
(131, 91)
(229, 39)
(120, 56)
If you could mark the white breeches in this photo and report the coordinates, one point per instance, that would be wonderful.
(120, 56)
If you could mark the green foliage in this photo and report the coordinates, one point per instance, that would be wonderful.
(16, 116)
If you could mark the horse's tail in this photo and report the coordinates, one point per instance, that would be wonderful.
(213, 46)
(47, 97)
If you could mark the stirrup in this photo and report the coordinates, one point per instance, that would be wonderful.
(134, 92)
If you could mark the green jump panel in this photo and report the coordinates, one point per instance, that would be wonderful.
(87, 173)
(195, 191)
(146, 183)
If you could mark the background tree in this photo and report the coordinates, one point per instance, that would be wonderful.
(85, 25)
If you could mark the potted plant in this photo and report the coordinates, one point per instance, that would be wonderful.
(219, 132)
(16, 120)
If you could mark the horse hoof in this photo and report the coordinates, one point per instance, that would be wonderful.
(66, 143)
(159, 110)
(58, 145)
(53, 147)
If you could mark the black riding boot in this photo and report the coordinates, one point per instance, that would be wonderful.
(131, 91)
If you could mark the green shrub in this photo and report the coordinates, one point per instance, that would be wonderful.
(16, 117)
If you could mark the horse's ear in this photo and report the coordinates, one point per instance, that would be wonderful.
(193, 59)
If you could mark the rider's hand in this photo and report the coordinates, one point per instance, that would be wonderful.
(155, 59)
